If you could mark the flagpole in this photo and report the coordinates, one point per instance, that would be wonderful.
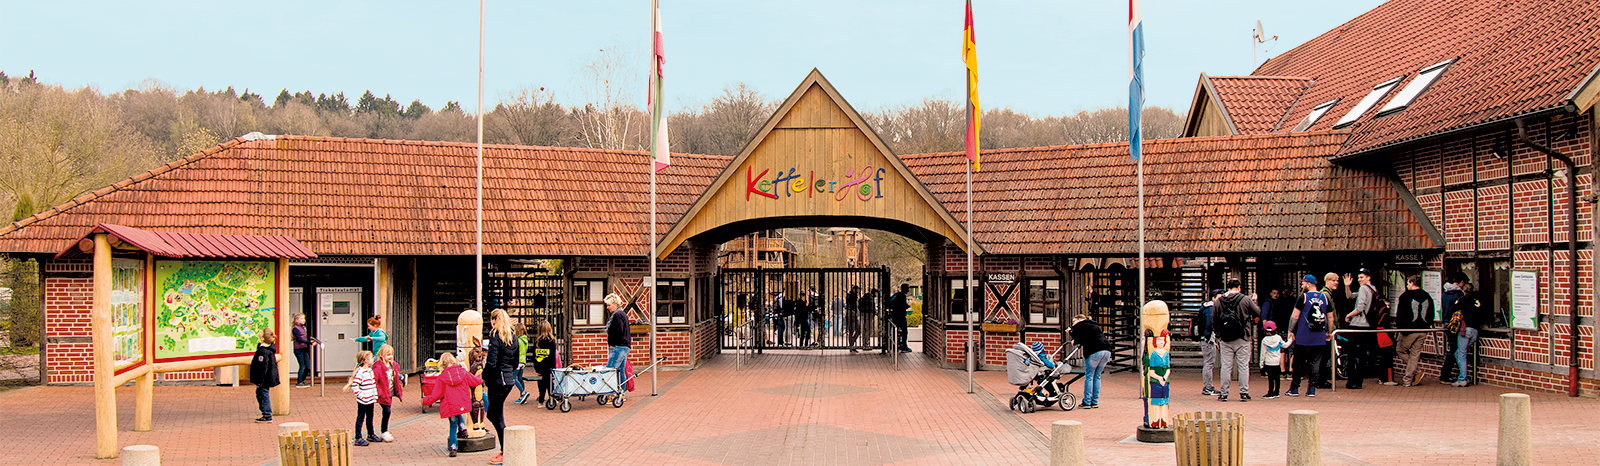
(968, 284)
(655, 9)
(478, 250)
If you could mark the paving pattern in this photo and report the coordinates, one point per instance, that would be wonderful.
(814, 408)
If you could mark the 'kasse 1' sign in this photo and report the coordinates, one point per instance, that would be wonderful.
(863, 183)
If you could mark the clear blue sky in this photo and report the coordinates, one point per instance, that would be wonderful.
(1041, 57)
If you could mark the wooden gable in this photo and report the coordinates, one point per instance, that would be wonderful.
(815, 162)
(1207, 117)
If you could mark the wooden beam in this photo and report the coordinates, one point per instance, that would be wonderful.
(105, 395)
(179, 366)
(144, 392)
(282, 324)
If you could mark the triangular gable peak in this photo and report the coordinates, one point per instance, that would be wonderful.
(816, 162)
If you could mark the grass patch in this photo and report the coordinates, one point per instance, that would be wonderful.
(19, 350)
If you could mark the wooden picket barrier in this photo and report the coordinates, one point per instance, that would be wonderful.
(1209, 438)
(314, 448)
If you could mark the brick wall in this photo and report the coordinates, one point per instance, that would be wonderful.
(995, 345)
(953, 341)
(1051, 341)
(69, 355)
(590, 348)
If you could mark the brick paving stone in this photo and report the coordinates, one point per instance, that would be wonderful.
(814, 408)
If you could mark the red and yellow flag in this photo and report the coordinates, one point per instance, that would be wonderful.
(969, 54)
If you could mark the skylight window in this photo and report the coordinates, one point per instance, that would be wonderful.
(1316, 114)
(1367, 102)
(1418, 84)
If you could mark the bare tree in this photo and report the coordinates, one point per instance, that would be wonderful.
(609, 117)
(55, 144)
(723, 126)
(528, 116)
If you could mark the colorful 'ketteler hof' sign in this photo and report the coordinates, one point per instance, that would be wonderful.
(861, 183)
(212, 308)
(127, 314)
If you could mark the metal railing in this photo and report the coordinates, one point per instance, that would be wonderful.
(1438, 343)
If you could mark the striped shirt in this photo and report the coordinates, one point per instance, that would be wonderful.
(364, 385)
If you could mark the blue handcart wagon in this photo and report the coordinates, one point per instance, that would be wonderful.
(606, 384)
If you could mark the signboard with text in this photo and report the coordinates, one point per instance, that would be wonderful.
(1525, 299)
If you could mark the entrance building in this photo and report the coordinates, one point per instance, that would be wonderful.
(1054, 231)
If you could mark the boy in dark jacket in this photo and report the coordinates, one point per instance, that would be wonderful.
(1414, 312)
(264, 372)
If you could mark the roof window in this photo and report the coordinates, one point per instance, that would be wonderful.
(1418, 84)
(1316, 114)
(1367, 102)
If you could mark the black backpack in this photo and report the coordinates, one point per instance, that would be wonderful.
(1229, 324)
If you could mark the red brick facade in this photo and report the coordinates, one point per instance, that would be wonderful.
(69, 351)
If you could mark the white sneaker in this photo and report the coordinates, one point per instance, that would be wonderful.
(387, 437)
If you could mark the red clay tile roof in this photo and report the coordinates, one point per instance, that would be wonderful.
(1274, 192)
(381, 197)
(200, 245)
(1515, 57)
(1257, 104)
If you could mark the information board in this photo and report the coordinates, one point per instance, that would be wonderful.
(207, 309)
(1525, 299)
(1433, 283)
(127, 314)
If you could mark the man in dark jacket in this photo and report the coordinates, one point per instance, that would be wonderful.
(1472, 319)
(264, 372)
(1414, 312)
(898, 304)
(1231, 316)
(853, 320)
(1208, 346)
(867, 306)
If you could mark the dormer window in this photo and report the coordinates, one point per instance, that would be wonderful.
(1424, 78)
(1316, 114)
(1367, 102)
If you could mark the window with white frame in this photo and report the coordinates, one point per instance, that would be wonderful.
(672, 301)
(1407, 94)
(1316, 114)
(1367, 102)
(1044, 301)
(958, 300)
(588, 302)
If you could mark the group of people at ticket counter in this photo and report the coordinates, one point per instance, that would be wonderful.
(805, 318)
(1294, 331)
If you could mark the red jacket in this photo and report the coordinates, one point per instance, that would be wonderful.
(455, 389)
(383, 371)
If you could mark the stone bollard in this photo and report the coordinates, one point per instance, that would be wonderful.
(289, 427)
(1516, 431)
(141, 455)
(1066, 443)
(521, 449)
(1305, 439)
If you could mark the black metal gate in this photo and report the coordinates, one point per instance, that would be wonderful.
(803, 308)
(530, 291)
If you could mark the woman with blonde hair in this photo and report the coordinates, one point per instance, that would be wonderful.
(618, 339)
(499, 374)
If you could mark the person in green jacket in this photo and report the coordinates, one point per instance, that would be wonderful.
(375, 333)
(522, 359)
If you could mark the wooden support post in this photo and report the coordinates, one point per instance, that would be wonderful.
(1305, 439)
(1066, 443)
(144, 401)
(105, 395)
(284, 322)
(1516, 430)
(141, 455)
(520, 446)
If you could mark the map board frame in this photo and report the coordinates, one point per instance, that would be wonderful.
(270, 307)
(130, 312)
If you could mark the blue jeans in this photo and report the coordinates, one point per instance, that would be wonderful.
(264, 400)
(1463, 344)
(1091, 376)
(520, 388)
(615, 355)
(304, 358)
(456, 423)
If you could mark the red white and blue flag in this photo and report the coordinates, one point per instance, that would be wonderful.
(1135, 77)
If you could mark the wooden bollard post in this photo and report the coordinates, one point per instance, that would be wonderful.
(1516, 430)
(141, 455)
(290, 427)
(1305, 439)
(1066, 443)
(521, 449)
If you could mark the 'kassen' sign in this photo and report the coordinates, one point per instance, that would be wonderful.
(863, 183)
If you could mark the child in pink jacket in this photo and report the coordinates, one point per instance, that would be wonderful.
(454, 394)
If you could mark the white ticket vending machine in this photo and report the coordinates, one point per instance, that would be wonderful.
(339, 323)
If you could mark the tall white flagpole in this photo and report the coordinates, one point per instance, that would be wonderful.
(478, 297)
(968, 285)
(655, 9)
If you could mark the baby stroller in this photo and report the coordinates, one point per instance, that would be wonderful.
(1038, 385)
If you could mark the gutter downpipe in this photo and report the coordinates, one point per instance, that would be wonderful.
(1572, 253)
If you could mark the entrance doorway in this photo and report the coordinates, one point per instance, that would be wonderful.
(776, 308)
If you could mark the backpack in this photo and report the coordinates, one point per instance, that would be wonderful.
(1316, 317)
(1229, 324)
(1455, 324)
(1378, 314)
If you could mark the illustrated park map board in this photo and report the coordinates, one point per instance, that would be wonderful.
(212, 308)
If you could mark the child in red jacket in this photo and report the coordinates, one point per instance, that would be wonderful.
(454, 394)
(391, 386)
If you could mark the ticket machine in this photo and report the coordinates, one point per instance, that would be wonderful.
(339, 323)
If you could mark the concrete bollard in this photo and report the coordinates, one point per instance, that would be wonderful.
(1066, 443)
(289, 427)
(1305, 439)
(521, 448)
(141, 455)
(1516, 430)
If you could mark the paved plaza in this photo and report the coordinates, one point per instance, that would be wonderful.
(815, 408)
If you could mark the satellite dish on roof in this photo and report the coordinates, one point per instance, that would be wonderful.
(1259, 36)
